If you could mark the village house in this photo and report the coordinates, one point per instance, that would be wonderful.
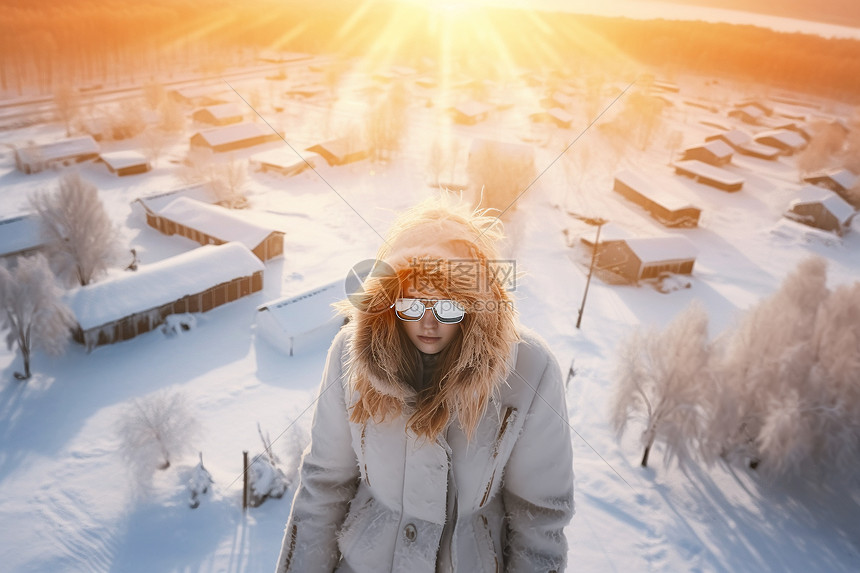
(20, 236)
(709, 175)
(743, 143)
(214, 225)
(716, 153)
(787, 141)
(664, 205)
(233, 137)
(340, 151)
(127, 304)
(840, 181)
(124, 163)
(470, 112)
(37, 157)
(284, 161)
(823, 209)
(641, 258)
(222, 114)
(556, 116)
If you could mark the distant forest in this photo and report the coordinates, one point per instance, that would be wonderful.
(45, 45)
(838, 12)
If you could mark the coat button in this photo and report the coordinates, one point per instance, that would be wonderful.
(410, 532)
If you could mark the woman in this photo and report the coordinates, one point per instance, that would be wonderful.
(440, 439)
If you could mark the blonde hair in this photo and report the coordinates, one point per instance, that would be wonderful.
(427, 243)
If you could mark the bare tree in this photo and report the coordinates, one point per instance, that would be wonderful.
(33, 310)
(67, 103)
(661, 375)
(155, 430)
(82, 240)
(228, 181)
(154, 142)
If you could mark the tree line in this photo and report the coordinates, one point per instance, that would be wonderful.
(46, 45)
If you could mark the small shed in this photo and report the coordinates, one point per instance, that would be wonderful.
(37, 157)
(124, 163)
(743, 143)
(667, 207)
(709, 175)
(788, 142)
(340, 151)
(822, 209)
(557, 116)
(715, 153)
(748, 114)
(20, 236)
(233, 137)
(840, 181)
(764, 108)
(646, 257)
(284, 161)
(221, 114)
(127, 304)
(470, 112)
(304, 322)
(213, 225)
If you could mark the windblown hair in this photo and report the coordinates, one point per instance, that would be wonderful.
(445, 248)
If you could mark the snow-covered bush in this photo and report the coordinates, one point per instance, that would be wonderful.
(32, 309)
(178, 323)
(266, 478)
(199, 483)
(154, 430)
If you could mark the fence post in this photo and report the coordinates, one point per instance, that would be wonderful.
(245, 480)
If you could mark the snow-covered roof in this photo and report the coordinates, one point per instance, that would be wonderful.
(299, 313)
(222, 110)
(659, 249)
(711, 172)
(20, 233)
(659, 190)
(55, 150)
(471, 108)
(719, 148)
(839, 207)
(735, 137)
(560, 114)
(157, 284)
(194, 92)
(786, 137)
(232, 133)
(158, 201)
(752, 111)
(845, 178)
(285, 158)
(214, 221)
(122, 159)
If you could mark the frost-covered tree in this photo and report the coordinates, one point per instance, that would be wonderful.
(661, 375)
(227, 181)
(154, 430)
(82, 240)
(67, 103)
(33, 310)
(763, 366)
(266, 477)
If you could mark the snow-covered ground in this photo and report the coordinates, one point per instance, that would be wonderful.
(67, 502)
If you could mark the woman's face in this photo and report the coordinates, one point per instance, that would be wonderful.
(428, 334)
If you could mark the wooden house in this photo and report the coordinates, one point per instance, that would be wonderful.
(709, 175)
(840, 181)
(340, 151)
(788, 142)
(233, 137)
(667, 207)
(556, 116)
(748, 114)
(20, 236)
(822, 209)
(127, 304)
(142, 206)
(646, 257)
(214, 225)
(284, 161)
(37, 157)
(716, 152)
(124, 163)
(743, 143)
(222, 114)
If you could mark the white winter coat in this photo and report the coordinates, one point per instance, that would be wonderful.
(374, 498)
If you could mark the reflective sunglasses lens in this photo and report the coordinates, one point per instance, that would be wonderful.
(409, 308)
(448, 311)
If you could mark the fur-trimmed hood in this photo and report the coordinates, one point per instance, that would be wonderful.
(452, 251)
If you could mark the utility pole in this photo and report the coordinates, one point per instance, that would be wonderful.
(599, 223)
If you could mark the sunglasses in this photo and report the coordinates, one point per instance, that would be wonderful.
(412, 309)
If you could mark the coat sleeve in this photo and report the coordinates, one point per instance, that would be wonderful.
(538, 483)
(327, 479)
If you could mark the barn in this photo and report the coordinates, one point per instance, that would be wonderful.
(155, 202)
(840, 181)
(284, 161)
(340, 151)
(822, 209)
(20, 236)
(668, 208)
(131, 303)
(233, 137)
(646, 257)
(213, 225)
(124, 163)
(716, 153)
(709, 175)
(304, 322)
(743, 143)
(787, 141)
(221, 114)
(470, 112)
(37, 157)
